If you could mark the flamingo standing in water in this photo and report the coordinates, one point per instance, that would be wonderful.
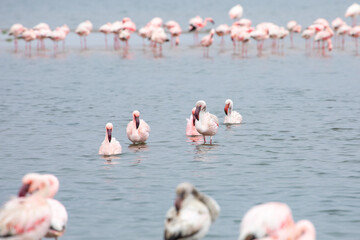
(106, 29)
(27, 216)
(59, 214)
(207, 124)
(293, 27)
(274, 220)
(222, 30)
(353, 11)
(59, 34)
(355, 33)
(158, 36)
(110, 146)
(207, 41)
(16, 30)
(137, 130)
(83, 30)
(236, 12)
(232, 117)
(192, 214)
(29, 36)
(197, 23)
(325, 35)
(175, 31)
(43, 30)
(190, 126)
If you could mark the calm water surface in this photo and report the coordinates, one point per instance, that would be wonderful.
(299, 142)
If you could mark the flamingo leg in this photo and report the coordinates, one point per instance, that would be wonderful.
(204, 140)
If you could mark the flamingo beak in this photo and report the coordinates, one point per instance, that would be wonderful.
(109, 134)
(226, 109)
(178, 202)
(24, 190)
(137, 122)
(212, 21)
(197, 111)
(193, 119)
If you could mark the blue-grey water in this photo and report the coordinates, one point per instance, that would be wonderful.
(299, 142)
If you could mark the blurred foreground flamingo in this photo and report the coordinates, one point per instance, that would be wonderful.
(274, 220)
(137, 130)
(192, 214)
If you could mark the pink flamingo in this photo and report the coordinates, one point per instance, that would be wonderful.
(175, 31)
(353, 11)
(355, 33)
(137, 130)
(158, 36)
(325, 35)
(293, 27)
(156, 22)
(43, 30)
(83, 30)
(146, 32)
(343, 30)
(106, 29)
(27, 216)
(110, 146)
(16, 30)
(244, 22)
(232, 117)
(59, 214)
(236, 12)
(260, 35)
(207, 124)
(192, 214)
(222, 30)
(57, 35)
(307, 34)
(29, 36)
(124, 36)
(115, 29)
(274, 220)
(197, 23)
(190, 126)
(207, 41)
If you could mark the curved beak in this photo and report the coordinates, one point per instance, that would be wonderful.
(226, 109)
(212, 21)
(24, 190)
(193, 120)
(137, 122)
(109, 134)
(197, 111)
(178, 202)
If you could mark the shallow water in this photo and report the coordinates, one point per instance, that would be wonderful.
(299, 142)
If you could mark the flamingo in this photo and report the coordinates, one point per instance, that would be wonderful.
(343, 30)
(156, 22)
(190, 126)
(207, 124)
(260, 35)
(232, 117)
(29, 36)
(16, 30)
(27, 216)
(222, 30)
(197, 23)
(293, 27)
(83, 30)
(106, 29)
(42, 29)
(353, 11)
(244, 22)
(146, 32)
(175, 31)
(355, 33)
(137, 130)
(110, 146)
(274, 220)
(307, 34)
(325, 35)
(158, 36)
(192, 214)
(57, 35)
(207, 41)
(236, 12)
(124, 36)
(59, 214)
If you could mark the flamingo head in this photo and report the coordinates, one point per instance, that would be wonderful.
(210, 20)
(33, 182)
(200, 106)
(136, 117)
(228, 106)
(109, 128)
(54, 184)
(183, 190)
(193, 114)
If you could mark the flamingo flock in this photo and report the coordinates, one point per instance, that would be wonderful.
(241, 32)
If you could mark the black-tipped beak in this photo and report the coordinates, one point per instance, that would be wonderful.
(137, 122)
(178, 202)
(226, 109)
(192, 28)
(193, 120)
(212, 21)
(24, 190)
(109, 134)
(197, 111)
